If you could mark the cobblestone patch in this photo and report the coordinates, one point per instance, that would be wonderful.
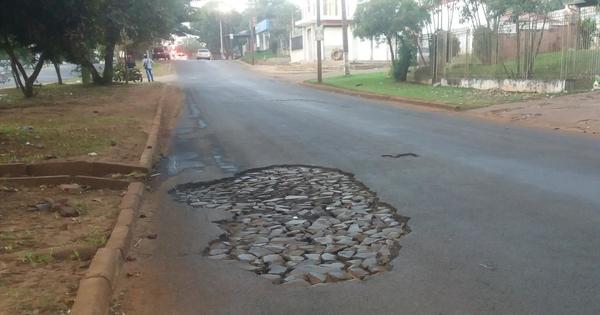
(300, 225)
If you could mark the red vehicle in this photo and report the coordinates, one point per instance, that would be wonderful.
(160, 53)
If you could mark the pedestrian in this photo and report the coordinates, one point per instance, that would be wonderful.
(148, 67)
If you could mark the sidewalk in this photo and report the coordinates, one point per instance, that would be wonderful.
(576, 113)
(297, 73)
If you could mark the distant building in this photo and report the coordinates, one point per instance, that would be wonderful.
(263, 35)
(304, 45)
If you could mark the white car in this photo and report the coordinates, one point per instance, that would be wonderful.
(204, 53)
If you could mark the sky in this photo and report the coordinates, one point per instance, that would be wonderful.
(228, 5)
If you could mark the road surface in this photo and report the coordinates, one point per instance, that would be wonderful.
(504, 220)
(47, 75)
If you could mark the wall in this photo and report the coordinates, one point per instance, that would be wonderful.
(535, 86)
(297, 55)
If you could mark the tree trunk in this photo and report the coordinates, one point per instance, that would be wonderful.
(393, 58)
(537, 50)
(58, 74)
(26, 85)
(518, 47)
(96, 78)
(109, 54)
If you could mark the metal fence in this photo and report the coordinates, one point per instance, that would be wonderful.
(559, 46)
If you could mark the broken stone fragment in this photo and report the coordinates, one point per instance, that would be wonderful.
(68, 212)
(272, 258)
(328, 257)
(316, 277)
(277, 269)
(71, 188)
(345, 255)
(337, 275)
(299, 221)
(358, 272)
(246, 257)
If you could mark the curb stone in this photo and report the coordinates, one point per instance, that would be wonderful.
(96, 288)
(380, 97)
(147, 158)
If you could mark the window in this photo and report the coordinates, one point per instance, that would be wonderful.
(330, 7)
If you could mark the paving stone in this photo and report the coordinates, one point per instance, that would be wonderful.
(298, 221)
(273, 258)
(345, 255)
(328, 257)
(337, 275)
(259, 251)
(316, 277)
(246, 257)
(277, 269)
(358, 272)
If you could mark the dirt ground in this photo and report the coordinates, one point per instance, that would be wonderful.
(576, 113)
(79, 123)
(66, 123)
(32, 281)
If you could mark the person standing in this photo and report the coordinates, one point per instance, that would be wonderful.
(148, 67)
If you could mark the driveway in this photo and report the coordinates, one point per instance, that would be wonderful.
(504, 220)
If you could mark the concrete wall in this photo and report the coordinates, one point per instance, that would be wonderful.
(535, 86)
(297, 55)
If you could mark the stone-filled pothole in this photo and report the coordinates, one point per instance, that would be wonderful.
(300, 225)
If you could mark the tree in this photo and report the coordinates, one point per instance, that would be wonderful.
(395, 21)
(28, 40)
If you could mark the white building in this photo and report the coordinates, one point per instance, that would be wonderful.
(304, 45)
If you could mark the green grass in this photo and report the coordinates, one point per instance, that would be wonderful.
(547, 66)
(73, 137)
(458, 98)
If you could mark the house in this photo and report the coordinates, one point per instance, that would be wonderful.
(304, 45)
(263, 35)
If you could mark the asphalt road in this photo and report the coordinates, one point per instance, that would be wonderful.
(504, 220)
(47, 75)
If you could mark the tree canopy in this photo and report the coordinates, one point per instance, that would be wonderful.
(398, 22)
(81, 30)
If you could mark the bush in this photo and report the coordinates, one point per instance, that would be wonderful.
(407, 53)
(484, 43)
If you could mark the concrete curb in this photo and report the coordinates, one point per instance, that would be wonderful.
(97, 286)
(96, 182)
(147, 158)
(97, 169)
(380, 97)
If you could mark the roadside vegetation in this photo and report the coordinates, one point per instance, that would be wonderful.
(458, 98)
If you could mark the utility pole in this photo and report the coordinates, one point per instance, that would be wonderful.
(319, 36)
(345, 38)
(221, 35)
(252, 37)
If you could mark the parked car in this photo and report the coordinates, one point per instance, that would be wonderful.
(160, 53)
(180, 55)
(204, 53)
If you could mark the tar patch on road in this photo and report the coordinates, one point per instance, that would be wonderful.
(400, 155)
(300, 225)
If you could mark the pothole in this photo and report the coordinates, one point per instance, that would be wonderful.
(300, 225)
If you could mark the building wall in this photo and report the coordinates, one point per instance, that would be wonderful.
(358, 50)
